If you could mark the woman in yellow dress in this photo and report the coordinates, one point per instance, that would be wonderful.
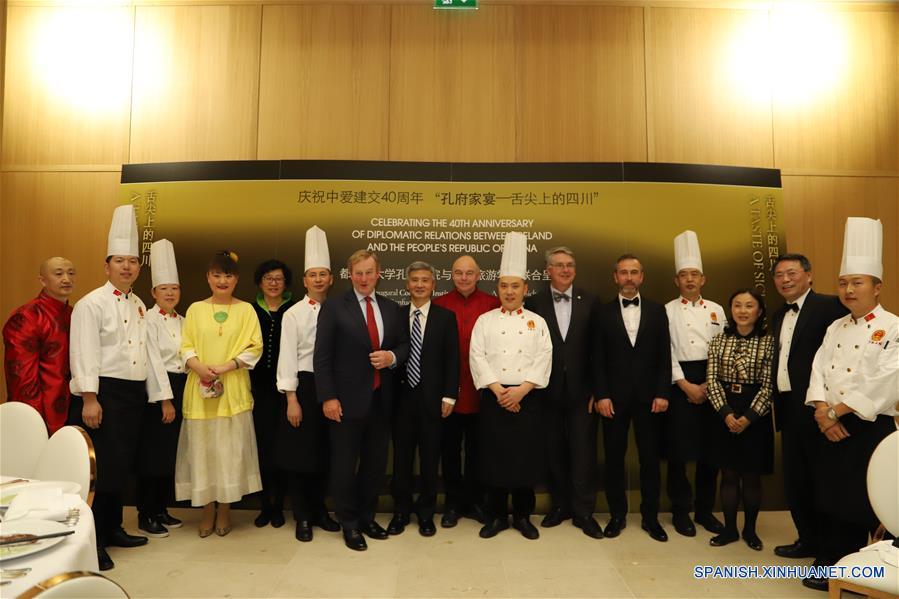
(217, 463)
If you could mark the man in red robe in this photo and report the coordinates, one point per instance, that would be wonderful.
(36, 338)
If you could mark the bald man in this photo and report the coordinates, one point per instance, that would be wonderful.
(464, 493)
(36, 338)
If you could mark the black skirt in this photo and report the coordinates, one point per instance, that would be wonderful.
(159, 441)
(116, 440)
(511, 444)
(685, 423)
(302, 449)
(266, 410)
(749, 451)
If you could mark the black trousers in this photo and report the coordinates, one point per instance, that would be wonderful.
(154, 493)
(358, 464)
(307, 495)
(647, 427)
(415, 426)
(681, 493)
(799, 442)
(570, 434)
(462, 486)
(523, 502)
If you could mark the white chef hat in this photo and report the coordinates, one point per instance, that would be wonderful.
(123, 239)
(862, 247)
(317, 254)
(686, 252)
(163, 268)
(515, 256)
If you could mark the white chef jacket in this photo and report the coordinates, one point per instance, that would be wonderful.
(786, 342)
(164, 344)
(510, 348)
(692, 326)
(858, 365)
(298, 328)
(108, 338)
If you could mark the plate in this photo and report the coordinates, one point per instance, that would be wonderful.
(31, 527)
(9, 492)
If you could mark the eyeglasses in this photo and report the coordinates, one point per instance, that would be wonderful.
(789, 274)
(562, 264)
(270, 279)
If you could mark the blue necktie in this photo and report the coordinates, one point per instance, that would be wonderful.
(413, 367)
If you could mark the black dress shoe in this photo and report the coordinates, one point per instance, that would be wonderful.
(120, 538)
(397, 524)
(752, 540)
(555, 517)
(589, 525)
(795, 550)
(709, 522)
(615, 526)
(104, 560)
(325, 522)
(151, 527)
(373, 530)
(353, 539)
(262, 519)
(449, 518)
(277, 518)
(527, 530)
(168, 520)
(303, 531)
(725, 538)
(655, 530)
(493, 527)
(426, 527)
(683, 525)
(816, 583)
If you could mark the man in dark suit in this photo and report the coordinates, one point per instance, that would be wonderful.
(798, 329)
(428, 390)
(633, 355)
(362, 338)
(569, 421)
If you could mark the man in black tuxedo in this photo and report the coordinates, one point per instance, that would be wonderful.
(569, 420)
(427, 393)
(362, 338)
(798, 329)
(633, 355)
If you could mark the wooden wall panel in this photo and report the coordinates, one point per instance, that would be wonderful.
(452, 92)
(196, 83)
(324, 82)
(853, 125)
(700, 110)
(68, 86)
(816, 211)
(580, 83)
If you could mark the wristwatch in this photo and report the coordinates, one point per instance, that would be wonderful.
(832, 414)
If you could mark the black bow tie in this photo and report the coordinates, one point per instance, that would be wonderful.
(560, 297)
(630, 302)
(793, 307)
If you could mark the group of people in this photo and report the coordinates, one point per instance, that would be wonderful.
(301, 398)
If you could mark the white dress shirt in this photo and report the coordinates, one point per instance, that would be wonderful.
(692, 326)
(631, 317)
(164, 344)
(510, 348)
(786, 341)
(108, 339)
(298, 328)
(562, 309)
(858, 365)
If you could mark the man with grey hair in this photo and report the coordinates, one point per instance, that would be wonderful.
(428, 390)
(569, 419)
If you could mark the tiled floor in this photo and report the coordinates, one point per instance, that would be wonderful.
(269, 562)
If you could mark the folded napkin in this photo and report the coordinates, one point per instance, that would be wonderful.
(42, 504)
(887, 553)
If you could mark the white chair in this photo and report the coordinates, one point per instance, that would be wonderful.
(76, 585)
(883, 492)
(23, 435)
(69, 455)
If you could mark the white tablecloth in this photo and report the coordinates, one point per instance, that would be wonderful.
(76, 552)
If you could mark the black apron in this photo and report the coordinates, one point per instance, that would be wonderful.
(511, 444)
(749, 451)
(303, 449)
(159, 441)
(116, 440)
(686, 423)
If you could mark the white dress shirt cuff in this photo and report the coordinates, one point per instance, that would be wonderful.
(449, 400)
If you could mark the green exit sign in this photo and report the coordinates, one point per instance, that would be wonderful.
(456, 4)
